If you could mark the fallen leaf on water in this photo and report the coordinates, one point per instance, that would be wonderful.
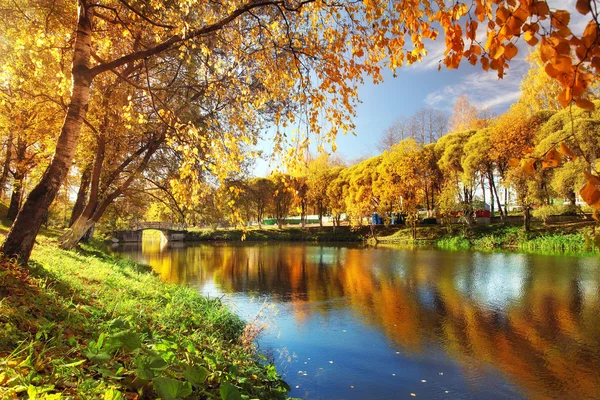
(351, 387)
(423, 380)
(330, 362)
(413, 395)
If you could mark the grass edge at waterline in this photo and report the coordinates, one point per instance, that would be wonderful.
(86, 324)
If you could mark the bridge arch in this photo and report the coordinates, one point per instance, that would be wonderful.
(170, 232)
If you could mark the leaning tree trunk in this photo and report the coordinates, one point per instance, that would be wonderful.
(95, 208)
(21, 238)
(79, 205)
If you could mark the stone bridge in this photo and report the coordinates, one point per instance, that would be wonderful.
(170, 232)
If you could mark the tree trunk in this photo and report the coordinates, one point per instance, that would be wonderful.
(21, 238)
(6, 168)
(15, 198)
(526, 218)
(79, 206)
(320, 208)
(491, 182)
(95, 209)
(502, 214)
(572, 198)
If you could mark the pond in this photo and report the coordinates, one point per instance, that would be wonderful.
(349, 322)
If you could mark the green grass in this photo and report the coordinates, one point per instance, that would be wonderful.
(85, 324)
(556, 238)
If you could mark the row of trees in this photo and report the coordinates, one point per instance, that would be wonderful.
(536, 150)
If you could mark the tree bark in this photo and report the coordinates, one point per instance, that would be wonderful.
(21, 237)
(15, 198)
(79, 205)
(6, 168)
(18, 179)
(526, 218)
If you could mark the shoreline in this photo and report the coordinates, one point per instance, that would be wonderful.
(88, 324)
(571, 237)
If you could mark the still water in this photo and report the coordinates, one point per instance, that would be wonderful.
(384, 323)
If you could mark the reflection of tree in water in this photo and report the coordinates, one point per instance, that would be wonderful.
(537, 318)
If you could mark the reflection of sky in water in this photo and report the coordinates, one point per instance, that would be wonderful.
(495, 280)
(497, 325)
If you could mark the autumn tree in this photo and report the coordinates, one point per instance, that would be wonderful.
(336, 192)
(260, 191)
(282, 197)
(478, 166)
(318, 179)
(539, 92)
(450, 150)
(361, 202)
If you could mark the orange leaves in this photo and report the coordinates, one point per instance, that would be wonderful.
(593, 179)
(552, 160)
(528, 166)
(591, 195)
(560, 22)
(583, 6)
(510, 51)
(565, 150)
(585, 104)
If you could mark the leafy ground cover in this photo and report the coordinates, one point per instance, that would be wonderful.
(84, 324)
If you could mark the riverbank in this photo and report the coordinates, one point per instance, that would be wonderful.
(85, 324)
(571, 237)
(287, 234)
(557, 237)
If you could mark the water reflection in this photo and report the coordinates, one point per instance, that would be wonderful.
(534, 319)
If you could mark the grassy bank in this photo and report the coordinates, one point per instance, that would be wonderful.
(84, 324)
(288, 234)
(559, 237)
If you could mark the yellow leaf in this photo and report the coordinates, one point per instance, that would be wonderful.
(590, 194)
(553, 159)
(530, 38)
(565, 150)
(528, 166)
(514, 162)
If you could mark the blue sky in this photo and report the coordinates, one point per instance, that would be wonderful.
(423, 86)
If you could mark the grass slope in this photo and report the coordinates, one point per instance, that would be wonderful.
(87, 325)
